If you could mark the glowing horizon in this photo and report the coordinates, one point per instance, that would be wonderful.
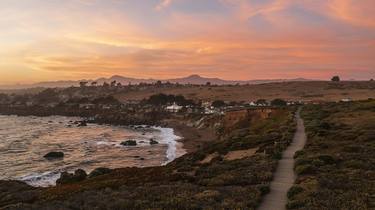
(228, 39)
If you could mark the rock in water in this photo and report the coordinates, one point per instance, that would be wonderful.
(99, 172)
(80, 174)
(67, 178)
(129, 143)
(54, 155)
(82, 124)
(152, 142)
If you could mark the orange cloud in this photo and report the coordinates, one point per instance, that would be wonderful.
(361, 13)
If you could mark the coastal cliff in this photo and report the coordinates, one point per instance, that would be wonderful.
(233, 171)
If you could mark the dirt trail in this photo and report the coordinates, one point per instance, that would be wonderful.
(284, 176)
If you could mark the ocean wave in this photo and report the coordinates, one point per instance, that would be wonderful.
(45, 179)
(175, 149)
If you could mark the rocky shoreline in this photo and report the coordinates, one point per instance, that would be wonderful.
(192, 138)
(99, 116)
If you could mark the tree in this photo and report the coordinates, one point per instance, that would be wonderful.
(113, 83)
(208, 83)
(232, 103)
(106, 100)
(94, 83)
(278, 102)
(83, 84)
(163, 99)
(335, 79)
(261, 102)
(159, 99)
(105, 84)
(218, 103)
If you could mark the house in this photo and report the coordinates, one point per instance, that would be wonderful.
(291, 103)
(174, 108)
(51, 105)
(252, 103)
(262, 103)
(209, 111)
(87, 106)
(212, 110)
(106, 106)
(131, 102)
(29, 103)
(315, 102)
(346, 100)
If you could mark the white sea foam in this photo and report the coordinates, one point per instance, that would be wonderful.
(45, 179)
(175, 149)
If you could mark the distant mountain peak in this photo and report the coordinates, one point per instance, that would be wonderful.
(192, 79)
(195, 76)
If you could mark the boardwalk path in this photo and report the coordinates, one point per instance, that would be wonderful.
(284, 176)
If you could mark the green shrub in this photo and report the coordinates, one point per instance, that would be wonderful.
(264, 189)
(302, 161)
(305, 169)
(317, 163)
(327, 159)
(294, 191)
(299, 154)
(277, 155)
(358, 164)
(295, 205)
(325, 125)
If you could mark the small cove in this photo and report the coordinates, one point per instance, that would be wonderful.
(25, 140)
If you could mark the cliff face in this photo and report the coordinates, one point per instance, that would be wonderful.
(248, 116)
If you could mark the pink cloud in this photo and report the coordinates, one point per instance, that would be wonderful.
(163, 4)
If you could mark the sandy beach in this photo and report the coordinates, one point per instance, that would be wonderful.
(192, 138)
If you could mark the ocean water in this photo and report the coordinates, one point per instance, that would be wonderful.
(25, 140)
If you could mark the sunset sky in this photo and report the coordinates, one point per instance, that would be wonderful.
(232, 39)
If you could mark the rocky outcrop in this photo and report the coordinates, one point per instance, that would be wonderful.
(152, 142)
(16, 192)
(67, 178)
(54, 155)
(99, 172)
(82, 124)
(129, 143)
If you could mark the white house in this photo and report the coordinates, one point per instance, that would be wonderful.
(174, 108)
(86, 106)
(252, 103)
(346, 100)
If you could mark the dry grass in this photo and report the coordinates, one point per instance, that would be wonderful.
(306, 91)
(209, 158)
(240, 154)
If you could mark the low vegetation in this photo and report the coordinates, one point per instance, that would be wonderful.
(336, 169)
